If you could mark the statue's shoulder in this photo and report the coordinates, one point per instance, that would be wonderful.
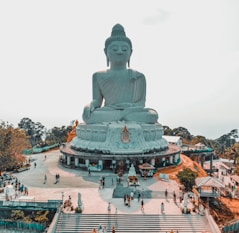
(136, 74)
(100, 74)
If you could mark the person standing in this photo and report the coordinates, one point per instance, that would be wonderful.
(166, 194)
(180, 196)
(174, 197)
(109, 207)
(56, 179)
(25, 190)
(104, 229)
(162, 208)
(142, 204)
(128, 199)
(113, 229)
(45, 179)
(103, 182)
(21, 189)
(125, 199)
(139, 196)
(100, 229)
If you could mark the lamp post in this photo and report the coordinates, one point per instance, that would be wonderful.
(62, 196)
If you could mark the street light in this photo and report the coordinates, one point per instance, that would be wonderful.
(62, 196)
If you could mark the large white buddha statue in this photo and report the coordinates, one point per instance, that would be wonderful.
(122, 90)
(116, 121)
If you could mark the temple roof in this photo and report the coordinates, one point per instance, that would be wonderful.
(209, 181)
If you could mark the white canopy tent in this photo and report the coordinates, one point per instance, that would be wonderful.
(209, 186)
(209, 182)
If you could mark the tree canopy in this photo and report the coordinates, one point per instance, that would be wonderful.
(30, 134)
(12, 143)
(33, 130)
(187, 178)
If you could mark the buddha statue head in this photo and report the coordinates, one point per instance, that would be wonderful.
(117, 34)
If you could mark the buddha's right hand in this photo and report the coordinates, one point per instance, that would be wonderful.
(89, 109)
(93, 105)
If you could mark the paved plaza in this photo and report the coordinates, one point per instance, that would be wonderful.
(95, 200)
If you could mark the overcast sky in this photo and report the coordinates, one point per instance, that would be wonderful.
(188, 51)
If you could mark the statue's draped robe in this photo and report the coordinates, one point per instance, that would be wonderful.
(119, 91)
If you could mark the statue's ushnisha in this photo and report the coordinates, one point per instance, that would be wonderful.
(116, 120)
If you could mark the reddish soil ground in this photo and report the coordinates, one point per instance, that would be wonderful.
(186, 163)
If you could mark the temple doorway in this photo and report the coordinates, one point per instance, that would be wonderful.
(107, 164)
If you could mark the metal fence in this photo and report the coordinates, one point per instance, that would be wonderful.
(21, 226)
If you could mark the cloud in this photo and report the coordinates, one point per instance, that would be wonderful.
(158, 17)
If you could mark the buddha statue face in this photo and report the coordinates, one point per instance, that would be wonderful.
(118, 53)
(118, 47)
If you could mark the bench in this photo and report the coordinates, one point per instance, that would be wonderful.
(23, 169)
(164, 177)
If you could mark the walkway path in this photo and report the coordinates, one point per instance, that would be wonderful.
(95, 201)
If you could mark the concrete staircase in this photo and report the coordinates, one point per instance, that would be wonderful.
(128, 223)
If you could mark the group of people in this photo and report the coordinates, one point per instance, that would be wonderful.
(102, 182)
(57, 178)
(13, 188)
(127, 199)
(109, 209)
(68, 204)
(103, 229)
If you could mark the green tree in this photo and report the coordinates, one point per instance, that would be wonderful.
(232, 153)
(34, 131)
(183, 133)
(187, 178)
(58, 134)
(167, 130)
(200, 139)
(12, 143)
(228, 139)
(180, 131)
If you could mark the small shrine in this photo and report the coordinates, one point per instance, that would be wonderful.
(132, 177)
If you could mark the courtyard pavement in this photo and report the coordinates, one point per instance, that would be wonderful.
(95, 200)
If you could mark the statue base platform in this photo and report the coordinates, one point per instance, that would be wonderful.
(119, 138)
